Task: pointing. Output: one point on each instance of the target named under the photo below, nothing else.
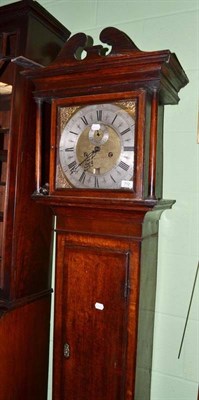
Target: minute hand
(88, 157)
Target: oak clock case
(101, 175)
(96, 146)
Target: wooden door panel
(94, 323)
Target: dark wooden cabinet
(105, 112)
(29, 32)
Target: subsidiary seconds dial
(96, 148)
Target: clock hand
(88, 157)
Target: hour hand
(87, 159)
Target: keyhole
(66, 350)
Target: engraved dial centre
(106, 141)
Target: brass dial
(96, 148)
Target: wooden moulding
(124, 66)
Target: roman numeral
(72, 165)
(128, 148)
(82, 177)
(74, 133)
(99, 115)
(114, 119)
(96, 182)
(123, 165)
(69, 149)
(112, 178)
(125, 131)
(84, 120)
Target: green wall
(158, 25)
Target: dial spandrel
(96, 147)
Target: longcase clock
(99, 169)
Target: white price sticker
(127, 184)
(99, 306)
